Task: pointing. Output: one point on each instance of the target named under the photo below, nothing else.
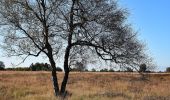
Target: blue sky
(151, 18)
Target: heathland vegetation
(81, 32)
(84, 86)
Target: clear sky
(151, 18)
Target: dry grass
(85, 86)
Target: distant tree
(32, 67)
(59, 69)
(168, 69)
(79, 66)
(128, 69)
(86, 70)
(111, 70)
(93, 70)
(104, 70)
(2, 65)
(40, 67)
(143, 68)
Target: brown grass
(85, 86)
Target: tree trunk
(67, 53)
(55, 83)
(53, 65)
(54, 78)
(54, 74)
(66, 69)
(64, 83)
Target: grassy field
(85, 86)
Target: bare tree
(84, 27)
(29, 29)
(99, 26)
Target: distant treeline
(46, 67)
(34, 67)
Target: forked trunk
(66, 69)
(63, 85)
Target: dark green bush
(104, 70)
(40, 67)
(93, 70)
(168, 69)
(59, 69)
(1, 68)
(128, 69)
(2, 65)
(111, 70)
(86, 70)
(142, 68)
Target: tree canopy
(75, 29)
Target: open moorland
(16, 85)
